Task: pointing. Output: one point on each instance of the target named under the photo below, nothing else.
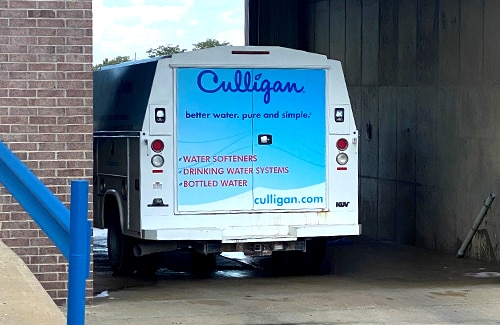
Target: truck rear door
(250, 139)
(289, 140)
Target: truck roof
(122, 91)
(255, 56)
(121, 95)
(128, 63)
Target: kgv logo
(342, 204)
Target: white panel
(278, 57)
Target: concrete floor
(365, 283)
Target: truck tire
(311, 261)
(120, 248)
(202, 265)
(299, 263)
(148, 265)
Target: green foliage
(209, 42)
(105, 62)
(169, 49)
(164, 50)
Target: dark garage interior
(423, 78)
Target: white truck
(227, 149)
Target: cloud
(130, 28)
(233, 16)
(233, 36)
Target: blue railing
(70, 230)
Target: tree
(164, 50)
(209, 42)
(169, 49)
(105, 62)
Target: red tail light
(342, 144)
(157, 145)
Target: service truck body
(249, 149)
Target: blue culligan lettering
(208, 82)
(215, 80)
(279, 201)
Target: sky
(131, 27)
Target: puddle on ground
(484, 275)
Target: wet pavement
(363, 283)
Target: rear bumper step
(244, 235)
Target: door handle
(265, 139)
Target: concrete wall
(425, 76)
(45, 117)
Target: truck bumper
(251, 234)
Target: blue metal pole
(78, 253)
(41, 204)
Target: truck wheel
(297, 263)
(120, 248)
(148, 265)
(281, 263)
(202, 264)
(311, 261)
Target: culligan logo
(208, 81)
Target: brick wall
(45, 117)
